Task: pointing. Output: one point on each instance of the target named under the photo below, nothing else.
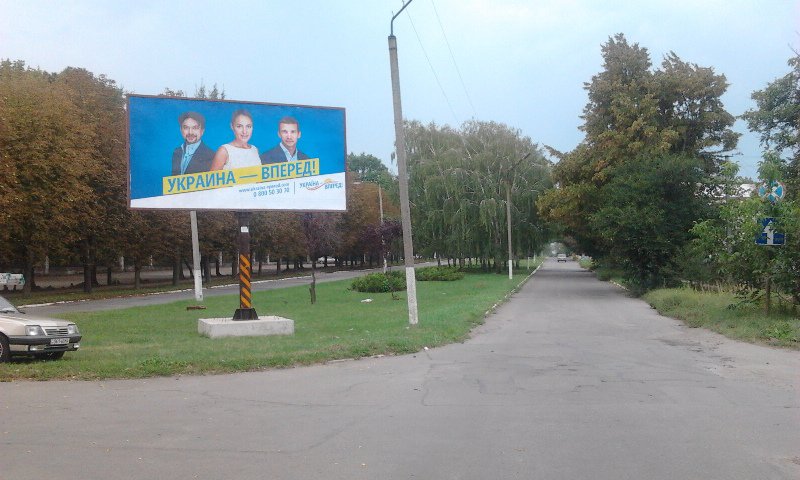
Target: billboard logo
(326, 184)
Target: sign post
(245, 310)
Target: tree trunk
(177, 268)
(768, 295)
(108, 275)
(87, 266)
(188, 267)
(313, 287)
(137, 274)
(28, 273)
(205, 268)
(278, 266)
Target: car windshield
(7, 307)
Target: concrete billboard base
(227, 327)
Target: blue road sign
(774, 192)
(768, 235)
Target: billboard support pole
(402, 173)
(198, 276)
(245, 310)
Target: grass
(162, 340)
(723, 313)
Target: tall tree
(777, 118)
(639, 122)
(48, 155)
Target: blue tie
(185, 162)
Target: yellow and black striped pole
(244, 282)
(245, 310)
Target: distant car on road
(561, 257)
(40, 337)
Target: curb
(512, 292)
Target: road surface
(570, 379)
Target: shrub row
(395, 280)
(441, 274)
(391, 281)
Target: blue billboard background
(154, 134)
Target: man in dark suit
(192, 156)
(289, 132)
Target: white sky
(523, 62)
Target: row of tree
(63, 178)
(464, 182)
(651, 189)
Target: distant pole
(508, 221)
(508, 214)
(400, 146)
(198, 275)
(383, 243)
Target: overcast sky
(519, 62)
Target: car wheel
(50, 355)
(5, 352)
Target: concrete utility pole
(196, 273)
(400, 146)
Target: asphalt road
(570, 379)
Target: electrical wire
(453, 58)
(433, 70)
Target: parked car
(561, 257)
(40, 337)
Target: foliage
(49, 160)
(647, 209)
(649, 133)
(460, 182)
(726, 243)
(777, 119)
(369, 168)
(391, 281)
(438, 274)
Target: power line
(433, 70)
(452, 57)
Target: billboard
(230, 155)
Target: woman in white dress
(238, 153)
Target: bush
(440, 274)
(380, 283)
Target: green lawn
(163, 339)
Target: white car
(561, 257)
(40, 337)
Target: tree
(777, 119)
(459, 182)
(727, 243)
(48, 154)
(639, 123)
(647, 210)
(102, 108)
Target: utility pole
(509, 185)
(383, 243)
(400, 146)
(196, 273)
